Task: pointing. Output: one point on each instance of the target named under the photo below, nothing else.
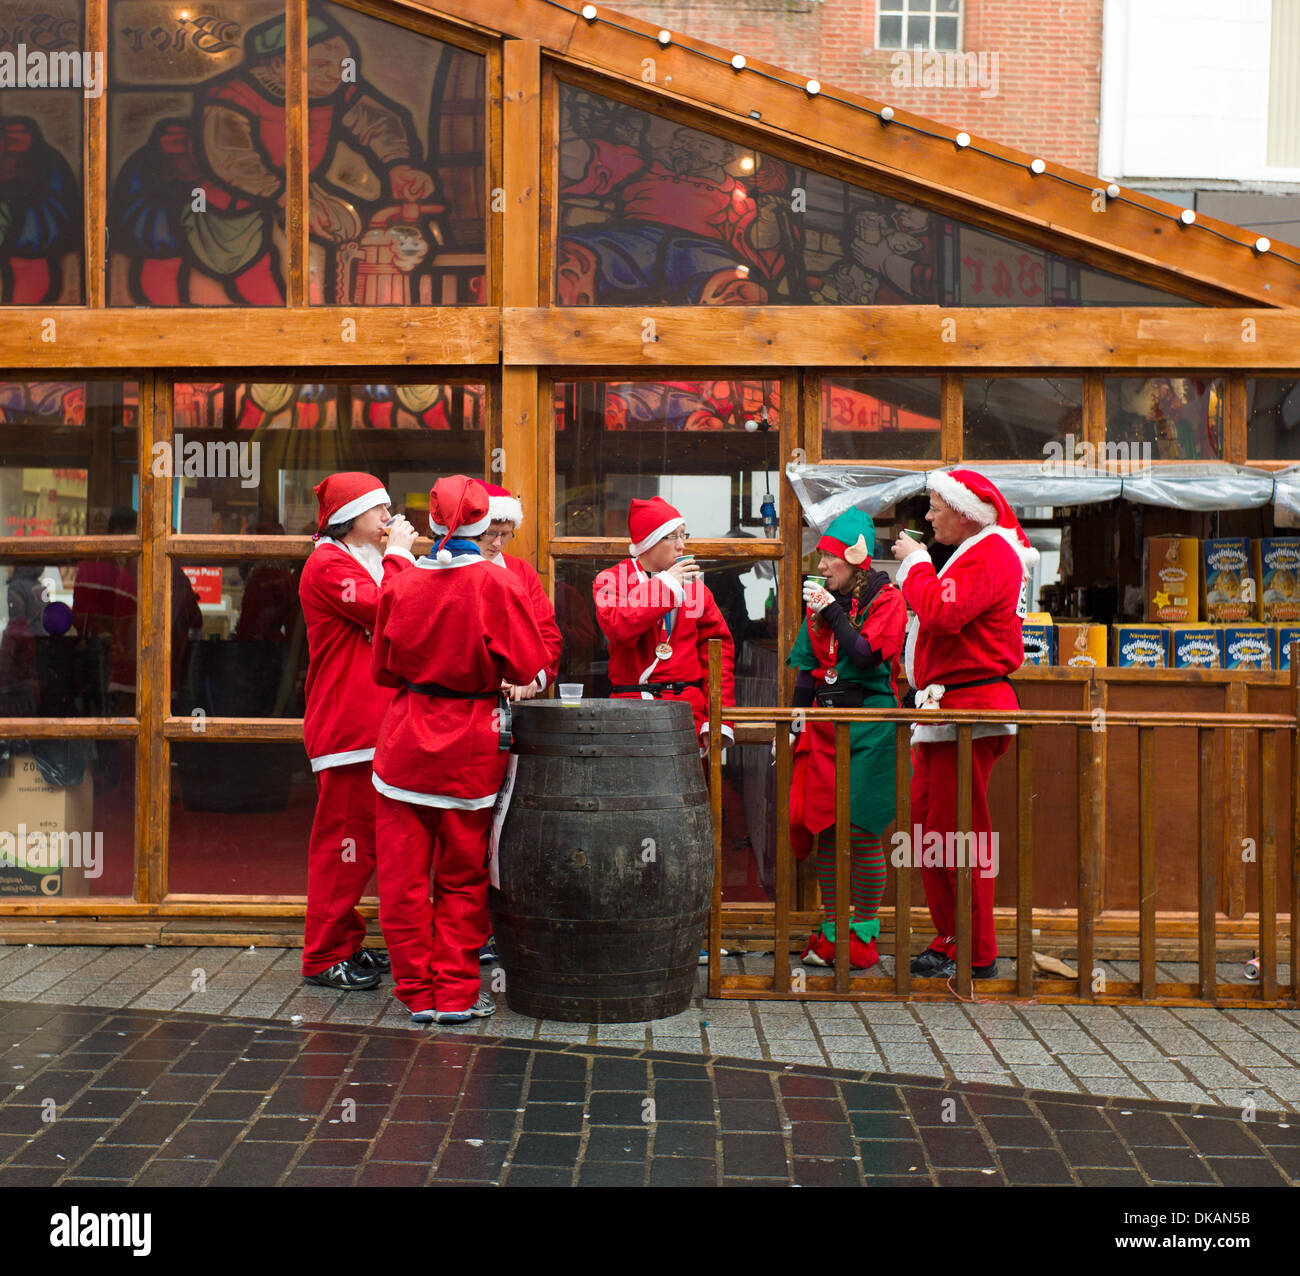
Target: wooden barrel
(606, 862)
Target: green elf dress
(855, 648)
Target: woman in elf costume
(850, 643)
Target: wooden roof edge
(1211, 256)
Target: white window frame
(933, 14)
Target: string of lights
(813, 88)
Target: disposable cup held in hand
(570, 693)
(818, 580)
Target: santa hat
(458, 506)
(851, 537)
(648, 522)
(345, 495)
(502, 507)
(975, 497)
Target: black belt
(657, 688)
(504, 716)
(981, 682)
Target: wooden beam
(702, 547)
(255, 337)
(297, 164)
(516, 466)
(1135, 234)
(95, 157)
(153, 668)
(891, 337)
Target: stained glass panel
(652, 212)
(42, 46)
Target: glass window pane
(945, 33)
(239, 647)
(402, 154)
(240, 816)
(1170, 418)
(891, 32)
(67, 819)
(68, 456)
(948, 6)
(196, 152)
(918, 31)
(1272, 418)
(745, 592)
(1013, 418)
(919, 6)
(41, 226)
(686, 441)
(652, 212)
(892, 6)
(68, 638)
(881, 418)
(248, 456)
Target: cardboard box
(1229, 592)
(1283, 637)
(33, 821)
(1141, 647)
(1246, 647)
(1081, 646)
(1171, 579)
(1040, 644)
(1194, 647)
(1277, 574)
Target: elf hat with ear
(458, 506)
(978, 499)
(851, 537)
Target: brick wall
(1048, 86)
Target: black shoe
(929, 964)
(346, 976)
(949, 970)
(375, 959)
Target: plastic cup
(570, 693)
(818, 580)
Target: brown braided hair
(857, 587)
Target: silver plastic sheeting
(826, 491)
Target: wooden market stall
(587, 259)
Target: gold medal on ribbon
(832, 677)
(664, 651)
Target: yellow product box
(1277, 574)
(1081, 646)
(1171, 579)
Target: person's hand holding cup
(685, 569)
(907, 544)
(400, 533)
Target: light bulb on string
(1037, 167)
(665, 38)
(738, 62)
(886, 114)
(589, 12)
(1263, 244)
(962, 140)
(812, 88)
(1187, 217)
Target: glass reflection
(1167, 418)
(1272, 418)
(881, 418)
(1013, 418)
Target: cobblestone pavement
(98, 1098)
(1233, 1058)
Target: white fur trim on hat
(961, 498)
(505, 509)
(359, 505)
(468, 530)
(639, 547)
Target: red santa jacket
(543, 609)
(465, 625)
(340, 601)
(633, 607)
(966, 626)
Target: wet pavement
(96, 1097)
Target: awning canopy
(826, 491)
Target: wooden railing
(786, 983)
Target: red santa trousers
(340, 860)
(934, 808)
(439, 971)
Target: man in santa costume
(963, 642)
(659, 616)
(507, 516)
(448, 634)
(339, 590)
